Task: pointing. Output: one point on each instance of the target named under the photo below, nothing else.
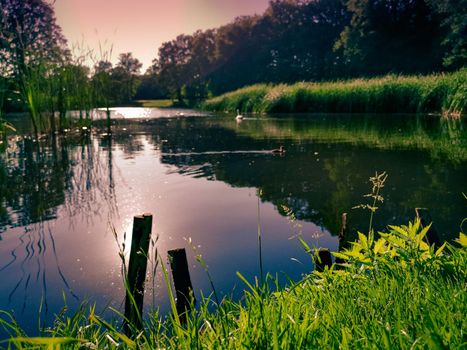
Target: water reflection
(200, 177)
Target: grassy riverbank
(395, 292)
(442, 93)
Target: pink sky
(141, 26)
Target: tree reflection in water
(39, 179)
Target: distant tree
(304, 33)
(102, 67)
(130, 64)
(384, 36)
(453, 15)
(172, 64)
(125, 72)
(101, 83)
(236, 54)
(150, 88)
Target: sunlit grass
(442, 93)
(396, 292)
(154, 103)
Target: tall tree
(453, 15)
(172, 64)
(400, 36)
(31, 45)
(127, 68)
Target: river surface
(67, 203)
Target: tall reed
(441, 93)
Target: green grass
(154, 103)
(441, 93)
(395, 292)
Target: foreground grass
(394, 292)
(441, 93)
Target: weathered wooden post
(182, 281)
(322, 258)
(343, 239)
(425, 219)
(136, 276)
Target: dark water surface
(203, 177)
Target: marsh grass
(441, 93)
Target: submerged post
(322, 258)
(141, 236)
(423, 214)
(182, 281)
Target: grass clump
(440, 93)
(392, 292)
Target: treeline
(294, 40)
(315, 40)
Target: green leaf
(50, 342)
(462, 239)
(440, 249)
(363, 240)
(379, 245)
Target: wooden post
(343, 239)
(343, 232)
(141, 236)
(425, 219)
(322, 258)
(182, 281)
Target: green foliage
(443, 93)
(316, 40)
(390, 36)
(454, 26)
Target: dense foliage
(303, 40)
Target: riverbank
(395, 293)
(443, 94)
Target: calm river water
(210, 179)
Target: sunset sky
(141, 26)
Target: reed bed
(440, 93)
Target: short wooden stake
(343, 238)
(425, 219)
(322, 258)
(136, 276)
(182, 281)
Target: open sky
(141, 26)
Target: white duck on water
(239, 116)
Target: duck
(280, 150)
(239, 116)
